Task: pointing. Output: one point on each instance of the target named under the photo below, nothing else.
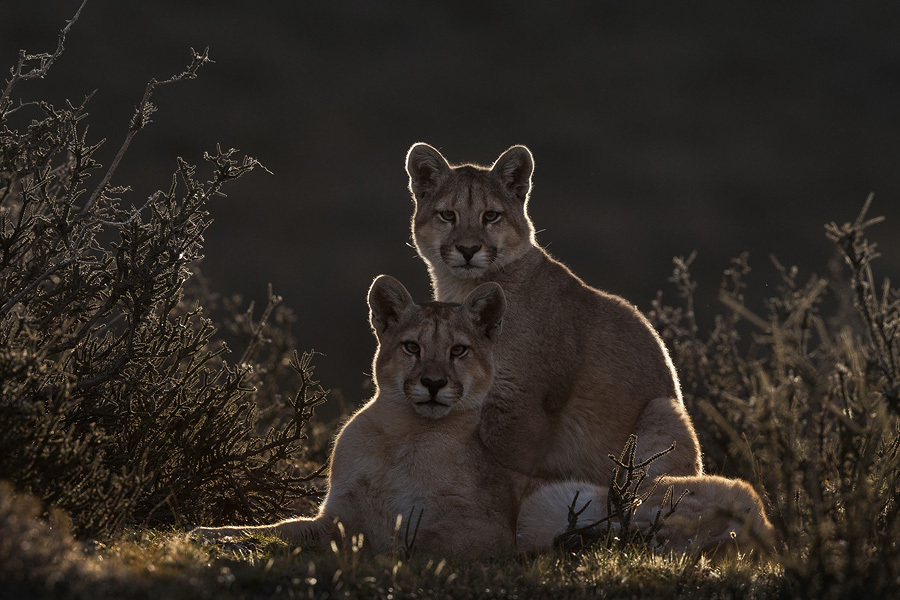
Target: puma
(577, 369)
(412, 452)
(411, 459)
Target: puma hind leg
(716, 515)
(662, 422)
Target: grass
(156, 564)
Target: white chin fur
(422, 404)
(432, 410)
(468, 271)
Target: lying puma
(578, 369)
(414, 449)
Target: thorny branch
(141, 119)
(623, 498)
(118, 400)
(19, 73)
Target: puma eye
(447, 215)
(411, 348)
(490, 216)
(459, 351)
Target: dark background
(658, 128)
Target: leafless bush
(118, 399)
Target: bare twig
(410, 545)
(38, 72)
(273, 301)
(141, 118)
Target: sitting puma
(415, 448)
(577, 369)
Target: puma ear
(514, 169)
(426, 168)
(388, 301)
(487, 303)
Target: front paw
(214, 534)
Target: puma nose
(433, 385)
(468, 251)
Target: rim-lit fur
(577, 369)
(412, 456)
(436, 329)
(412, 452)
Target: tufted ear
(486, 304)
(388, 301)
(426, 168)
(514, 169)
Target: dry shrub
(119, 401)
(803, 401)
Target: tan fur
(409, 451)
(716, 516)
(578, 369)
(406, 452)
